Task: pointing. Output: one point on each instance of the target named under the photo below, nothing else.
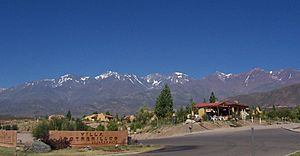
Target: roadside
(217, 126)
(294, 127)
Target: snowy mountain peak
(180, 74)
(107, 75)
(178, 77)
(2, 89)
(84, 78)
(223, 76)
(65, 78)
(154, 79)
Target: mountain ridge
(125, 93)
(288, 96)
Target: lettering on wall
(91, 138)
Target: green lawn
(77, 152)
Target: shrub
(79, 125)
(100, 128)
(56, 124)
(135, 125)
(14, 127)
(112, 126)
(7, 127)
(67, 125)
(41, 130)
(88, 128)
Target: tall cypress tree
(69, 115)
(212, 98)
(164, 103)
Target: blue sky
(46, 39)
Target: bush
(41, 130)
(112, 126)
(135, 125)
(100, 128)
(7, 127)
(56, 124)
(14, 127)
(143, 115)
(67, 125)
(79, 125)
(58, 144)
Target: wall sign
(91, 138)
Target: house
(221, 110)
(99, 117)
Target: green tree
(14, 127)
(7, 127)
(112, 126)
(164, 103)
(143, 115)
(117, 117)
(284, 112)
(68, 125)
(69, 115)
(107, 113)
(41, 130)
(204, 100)
(56, 124)
(181, 114)
(212, 98)
(79, 125)
(190, 107)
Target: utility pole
(252, 142)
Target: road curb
(135, 153)
(291, 130)
(291, 153)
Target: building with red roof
(221, 110)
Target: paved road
(269, 142)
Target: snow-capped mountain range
(124, 93)
(2, 89)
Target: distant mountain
(255, 80)
(2, 89)
(287, 96)
(125, 93)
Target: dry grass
(99, 151)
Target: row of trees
(282, 113)
(8, 127)
(163, 110)
(68, 123)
